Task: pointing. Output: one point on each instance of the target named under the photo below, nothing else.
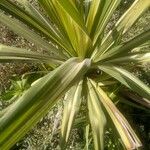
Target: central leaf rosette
(86, 63)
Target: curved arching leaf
(127, 79)
(74, 26)
(72, 106)
(36, 101)
(30, 35)
(28, 18)
(128, 136)
(123, 24)
(97, 117)
(8, 54)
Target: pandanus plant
(87, 62)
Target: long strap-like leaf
(97, 117)
(72, 106)
(35, 103)
(8, 54)
(27, 17)
(124, 48)
(128, 136)
(127, 79)
(73, 25)
(99, 15)
(138, 57)
(24, 31)
(124, 23)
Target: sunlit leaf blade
(31, 20)
(72, 12)
(123, 24)
(55, 19)
(76, 32)
(99, 15)
(2, 112)
(8, 54)
(59, 38)
(51, 12)
(123, 49)
(73, 2)
(93, 11)
(72, 106)
(97, 117)
(132, 14)
(37, 14)
(138, 57)
(127, 79)
(87, 132)
(106, 83)
(135, 42)
(35, 103)
(106, 15)
(24, 31)
(128, 136)
(21, 14)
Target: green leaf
(72, 106)
(138, 57)
(99, 15)
(40, 17)
(70, 17)
(33, 19)
(36, 101)
(55, 19)
(128, 136)
(93, 11)
(123, 24)
(122, 50)
(97, 117)
(87, 131)
(8, 54)
(132, 14)
(72, 12)
(127, 79)
(24, 31)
